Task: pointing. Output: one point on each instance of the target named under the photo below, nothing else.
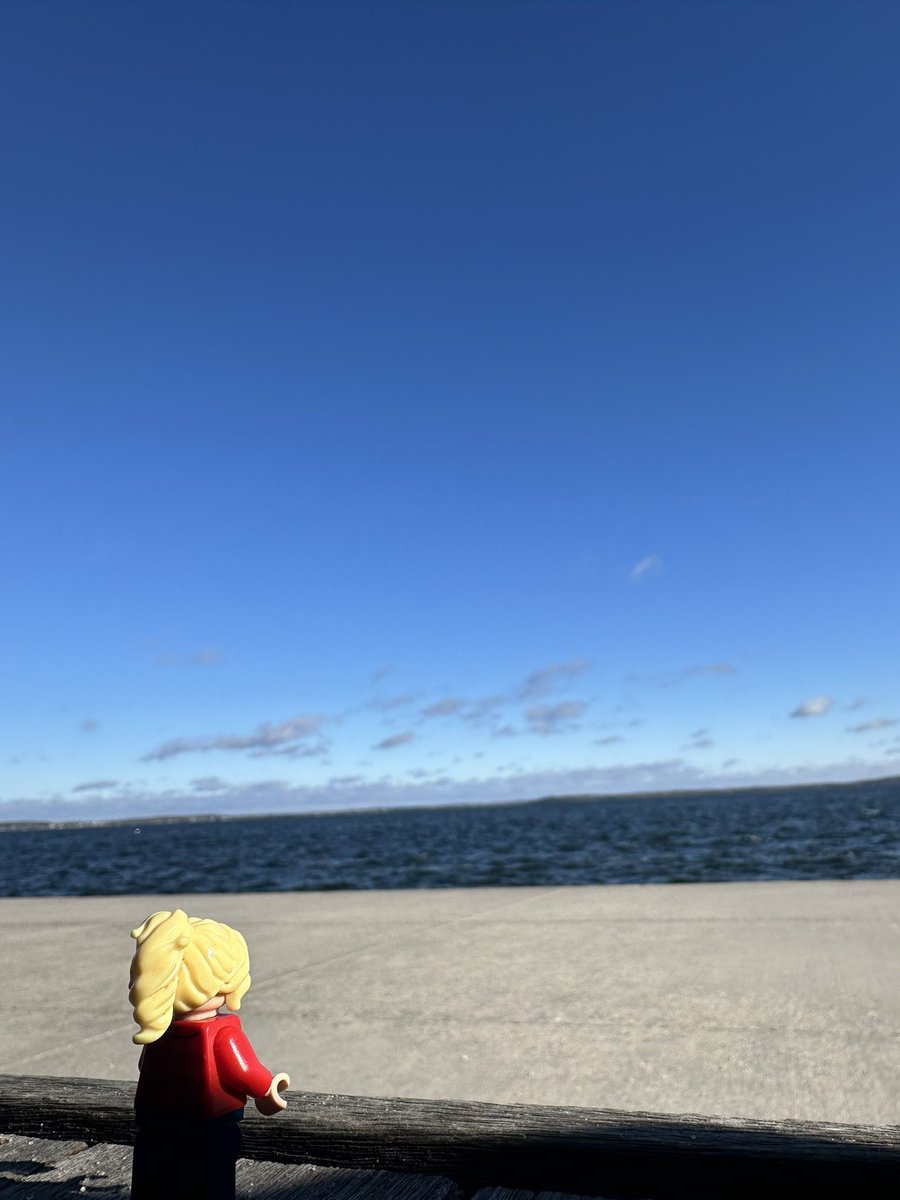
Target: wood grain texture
(581, 1152)
(284, 1181)
(40, 1169)
(29, 1155)
(33, 1169)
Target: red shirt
(200, 1069)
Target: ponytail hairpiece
(180, 963)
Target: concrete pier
(768, 1000)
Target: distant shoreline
(674, 793)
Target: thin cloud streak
(651, 565)
(318, 750)
(875, 723)
(389, 703)
(491, 709)
(209, 783)
(397, 739)
(549, 679)
(485, 710)
(451, 706)
(700, 740)
(265, 737)
(548, 719)
(816, 706)
(681, 674)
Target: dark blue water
(830, 832)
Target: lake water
(839, 832)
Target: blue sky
(413, 402)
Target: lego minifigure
(197, 1067)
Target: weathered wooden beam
(32, 1168)
(575, 1150)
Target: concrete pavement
(767, 1000)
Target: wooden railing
(587, 1152)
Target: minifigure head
(180, 963)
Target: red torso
(200, 1069)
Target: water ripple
(840, 832)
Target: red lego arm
(240, 1071)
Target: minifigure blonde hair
(180, 963)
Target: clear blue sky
(407, 402)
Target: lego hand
(272, 1101)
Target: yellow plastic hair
(180, 963)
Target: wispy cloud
(610, 739)
(89, 725)
(395, 740)
(816, 706)
(451, 706)
(208, 783)
(548, 719)
(875, 723)
(493, 711)
(265, 737)
(547, 680)
(96, 785)
(389, 703)
(486, 709)
(700, 740)
(856, 705)
(682, 674)
(295, 750)
(651, 565)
